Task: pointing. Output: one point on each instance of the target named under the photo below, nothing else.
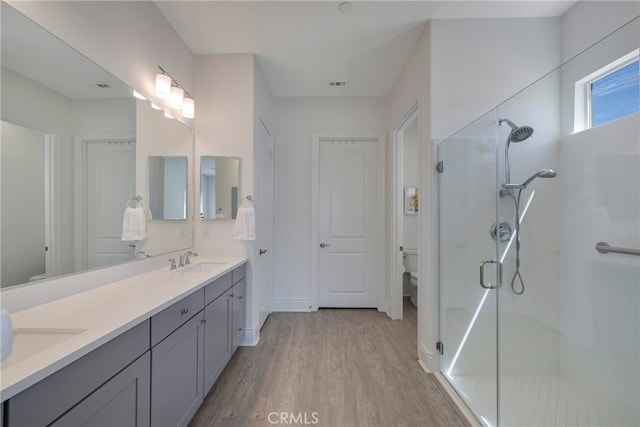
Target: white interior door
(348, 231)
(264, 228)
(111, 174)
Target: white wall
(479, 63)
(413, 89)
(224, 127)
(233, 97)
(589, 21)
(600, 202)
(297, 119)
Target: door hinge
(440, 347)
(440, 166)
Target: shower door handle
(482, 283)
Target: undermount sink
(202, 267)
(30, 341)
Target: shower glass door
(468, 315)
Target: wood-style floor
(333, 367)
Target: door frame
(53, 155)
(380, 275)
(395, 293)
(81, 142)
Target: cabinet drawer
(216, 288)
(45, 401)
(239, 273)
(171, 318)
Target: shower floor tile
(537, 401)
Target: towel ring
(137, 202)
(248, 199)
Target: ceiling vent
(338, 83)
(103, 85)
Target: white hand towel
(133, 224)
(245, 228)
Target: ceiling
(303, 45)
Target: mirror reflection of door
(23, 186)
(111, 175)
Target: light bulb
(163, 86)
(168, 115)
(188, 108)
(177, 97)
(156, 107)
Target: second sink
(202, 267)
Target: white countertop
(89, 319)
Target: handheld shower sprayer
(518, 134)
(543, 173)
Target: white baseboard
(299, 304)
(251, 337)
(426, 359)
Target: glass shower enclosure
(539, 327)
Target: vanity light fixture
(138, 95)
(188, 108)
(168, 88)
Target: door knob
(262, 251)
(324, 245)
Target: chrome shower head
(518, 133)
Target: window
(616, 95)
(608, 94)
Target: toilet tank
(410, 260)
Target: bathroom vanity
(140, 351)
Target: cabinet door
(238, 307)
(217, 339)
(122, 401)
(177, 375)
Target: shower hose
(517, 277)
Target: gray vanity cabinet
(217, 340)
(112, 379)
(123, 401)
(177, 363)
(238, 293)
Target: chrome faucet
(185, 259)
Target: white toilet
(410, 261)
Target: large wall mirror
(219, 179)
(69, 159)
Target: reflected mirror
(168, 187)
(219, 178)
(70, 139)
